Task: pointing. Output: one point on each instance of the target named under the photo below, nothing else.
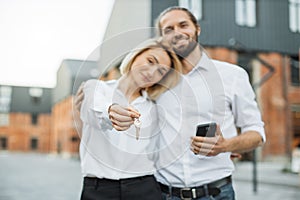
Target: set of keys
(137, 123)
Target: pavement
(273, 182)
(34, 176)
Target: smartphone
(206, 130)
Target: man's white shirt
(213, 91)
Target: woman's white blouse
(107, 153)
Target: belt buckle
(193, 190)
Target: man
(222, 93)
(189, 166)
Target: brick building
(64, 136)
(25, 119)
(22, 135)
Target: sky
(36, 35)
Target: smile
(145, 78)
(180, 42)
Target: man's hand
(122, 117)
(212, 146)
(209, 146)
(79, 97)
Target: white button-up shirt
(107, 153)
(213, 91)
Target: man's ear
(198, 30)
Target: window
(295, 73)
(3, 143)
(5, 98)
(4, 119)
(34, 144)
(295, 108)
(294, 15)
(74, 139)
(245, 13)
(34, 118)
(195, 6)
(5, 101)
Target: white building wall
(128, 26)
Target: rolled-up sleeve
(245, 108)
(95, 105)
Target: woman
(120, 164)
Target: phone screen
(206, 130)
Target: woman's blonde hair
(169, 80)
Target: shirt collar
(203, 63)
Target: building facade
(25, 118)
(263, 37)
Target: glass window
(195, 6)
(34, 143)
(4, 119)
(3, 143)
(294, 15)
(295, 72)
(245, 13)
(34, 118)
(74, 139)
(5, 98)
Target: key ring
(137, 123)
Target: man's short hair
(169, 9)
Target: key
(137, 123)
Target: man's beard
(185, 51)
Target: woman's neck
(129, 88)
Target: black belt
(210, 189)
(94, 181)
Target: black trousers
(145, 188)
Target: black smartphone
(206, 130)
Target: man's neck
(191, 60)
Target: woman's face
(150, 67)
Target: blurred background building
(25, 118)
(263, 37)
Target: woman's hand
(122, 117)
(79, 97)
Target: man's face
(180, 32)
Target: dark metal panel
(275, 27)
(158, 6)
(271, 33)
(217, 24)
(21, 101)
